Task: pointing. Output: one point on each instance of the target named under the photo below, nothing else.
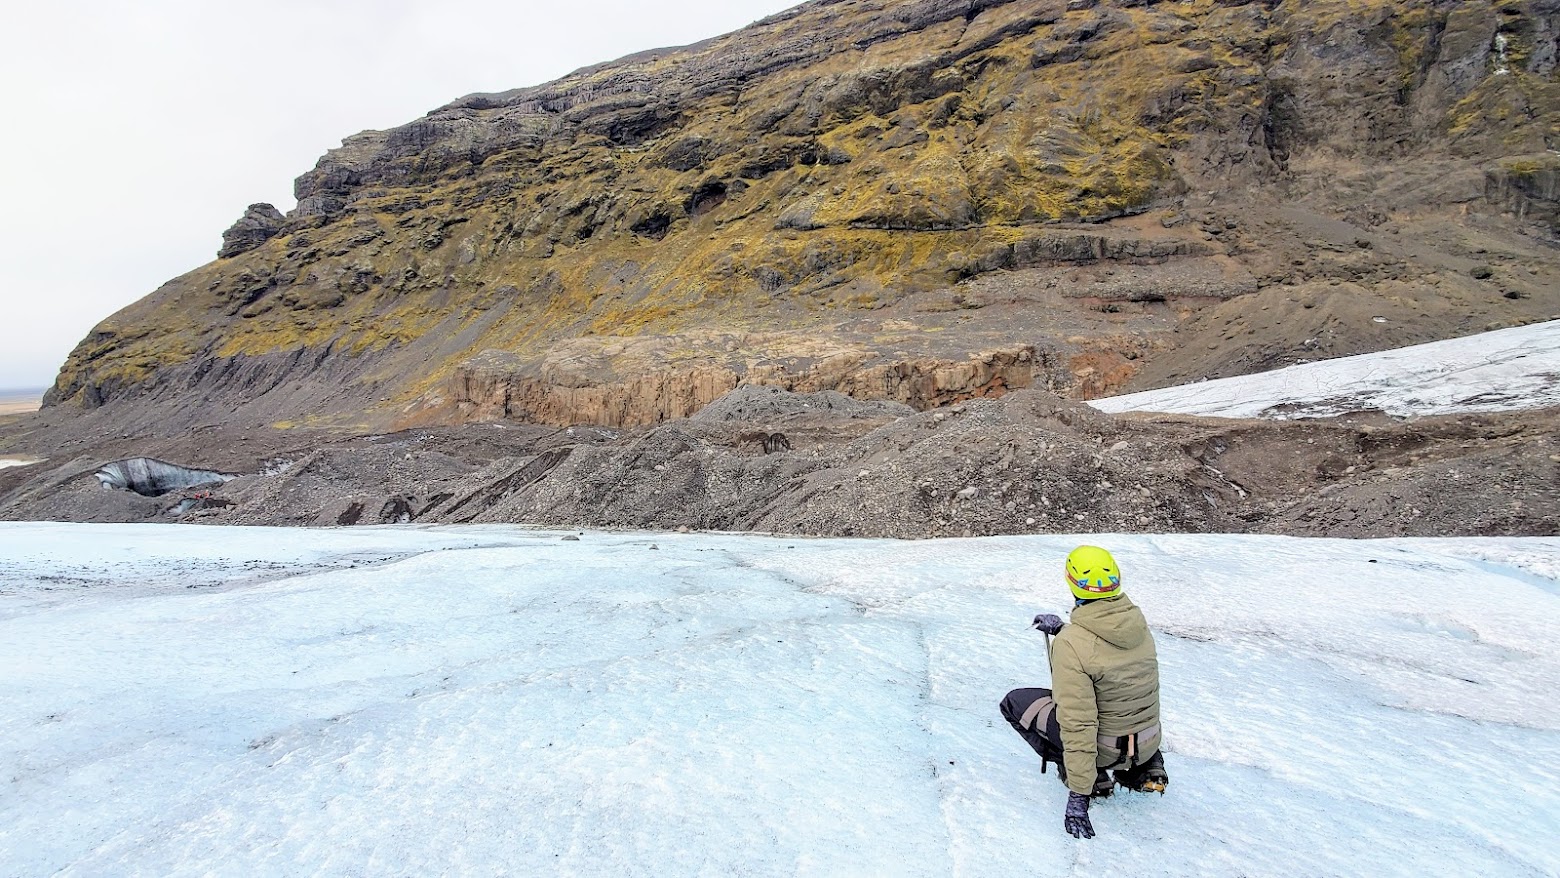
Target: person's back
(1105, 679)
(1103, 712)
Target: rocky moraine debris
(1029, 462)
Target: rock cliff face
(260, 223)
(917, 200)
(488, 388)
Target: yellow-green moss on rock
(835, 158)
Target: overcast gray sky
(137, 132)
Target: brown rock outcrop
(486, 393)
(921, 383)
(494, 387)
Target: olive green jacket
(1105, 679)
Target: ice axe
(1045, 623)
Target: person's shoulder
(1075, 636)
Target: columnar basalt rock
(483, 393)
(480, 394)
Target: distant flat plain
(20, 402)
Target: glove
(1048, 623)
(1077, 819)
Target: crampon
(1150, 777)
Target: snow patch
(1517, 368)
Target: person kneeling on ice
(1104, 711)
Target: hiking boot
(1150, 777)
(1103, 785)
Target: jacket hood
(1117, 621)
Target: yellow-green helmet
(1092, 573)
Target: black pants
(1032, 714)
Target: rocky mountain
(922, 201)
